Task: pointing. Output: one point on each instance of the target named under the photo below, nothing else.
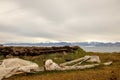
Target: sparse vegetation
(111, 72)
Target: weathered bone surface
(9, 67)
(74, 61)
(84, 59)
(79, 67)
(107, 63)
(50, 65)
(94, 59)
(13, 66)
(80, 60)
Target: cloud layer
(59, 20)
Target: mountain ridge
(95, 44)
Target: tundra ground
(111, 72)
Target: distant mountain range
(87, 44)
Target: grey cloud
(64, 9)
(50, 9)
(27, 31)
(72, 20)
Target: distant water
(101, 49)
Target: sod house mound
(35, 51)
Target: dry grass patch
(111, 72)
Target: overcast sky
(59, 20)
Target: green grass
(101, 72)
(56, 57)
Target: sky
(59, 20)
